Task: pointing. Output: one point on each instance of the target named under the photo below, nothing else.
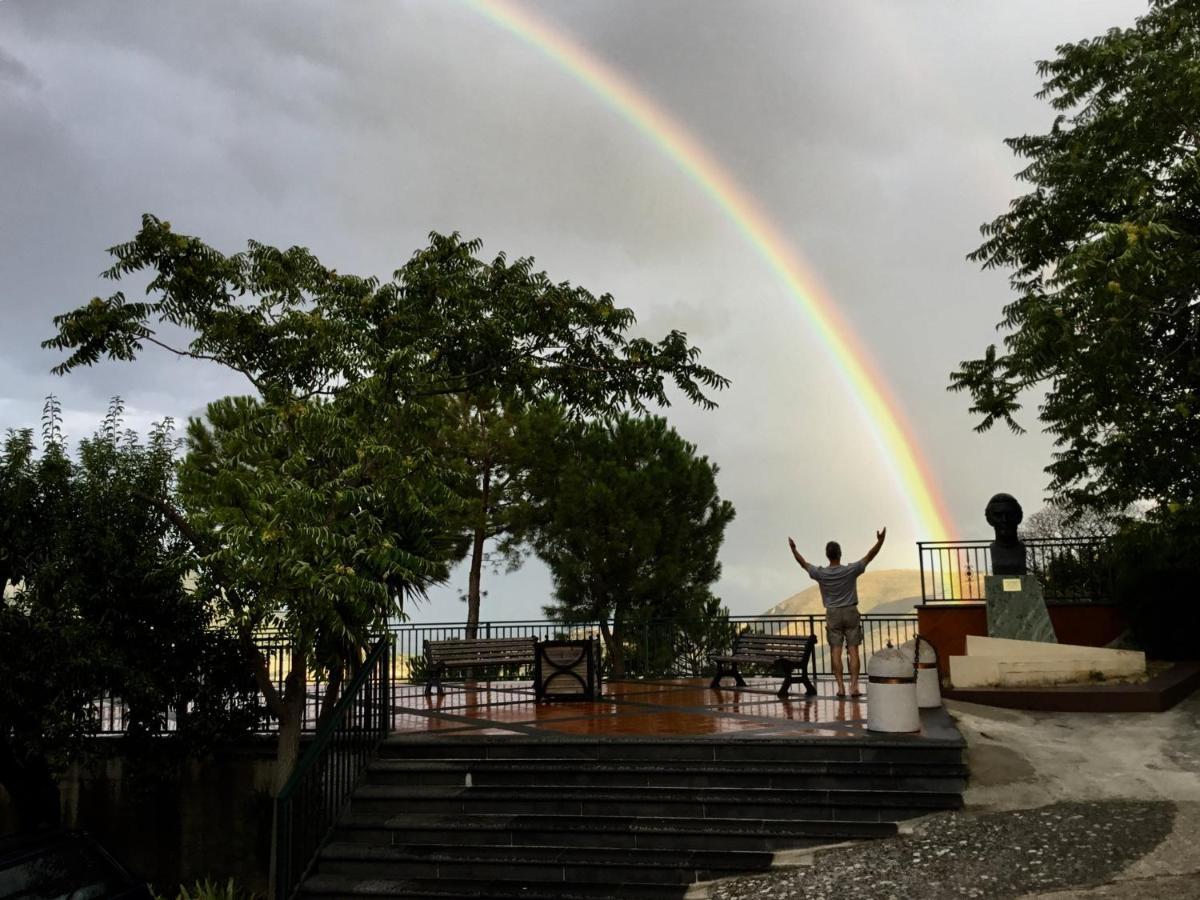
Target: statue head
(1003, 513)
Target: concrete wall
(211, 820)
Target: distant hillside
(886, 592)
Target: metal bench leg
(731, 672)
(809, 689)
(715, 684)
(787, 679)
(435, 680)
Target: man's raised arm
(874, 551)
(796, 553)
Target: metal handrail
(659, 650)
(314, 796)
(1070, 569)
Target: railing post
(283, 848)
(385, 687)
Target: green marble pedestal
(1016, 608)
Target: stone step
(605, 831)
(340, 887)
(824, 775)
(571, 865)
(890, 749)
(655, 802)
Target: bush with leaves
(97, 606)
(210, 890)
(1155, 566)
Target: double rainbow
(881, 412)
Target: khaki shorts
(843, 625)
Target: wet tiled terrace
(673, 708)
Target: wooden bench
(786, 653)
(471, 653)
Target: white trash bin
(929, 689)
(892, 692)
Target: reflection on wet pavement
(669, 708)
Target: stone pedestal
(1016, 608)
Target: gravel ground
(1005, 854)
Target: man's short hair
(833, 550)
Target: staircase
(546, 818)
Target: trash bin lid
(890, 662)
(928, 651)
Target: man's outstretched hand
(879, 535)
(792, 544)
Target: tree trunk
(291, 721)
(480, 535)
(333, 691)
(616, 652)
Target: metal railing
(320, 786)
(654, 648)
(1071, 570)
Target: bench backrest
(481, 650)
(787, 646)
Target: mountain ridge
(882, 592)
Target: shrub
(207, 890)
(1155, 572)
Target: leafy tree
(1105, 258)
(97, 606)
(318, 505)
(628, 520)
(311, 522)
(1057, 521)
(485, 434)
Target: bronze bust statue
(1004, 514)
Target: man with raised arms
(839, 594)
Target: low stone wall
(946, 625)
(212, 820)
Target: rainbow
(892, 434)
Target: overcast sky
(869, 132)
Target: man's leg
(854, 639)
(835, 636)
(854, 667)
(835, 662)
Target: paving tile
(672, 708)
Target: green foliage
(1156, 567)
(97, 605)
(1105, 259)
(209, 890)
(484, 433)
(628, 520)
(447, 323)
(682, 645)
(318, 525)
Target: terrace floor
(671, 708)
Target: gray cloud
(870, 133)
